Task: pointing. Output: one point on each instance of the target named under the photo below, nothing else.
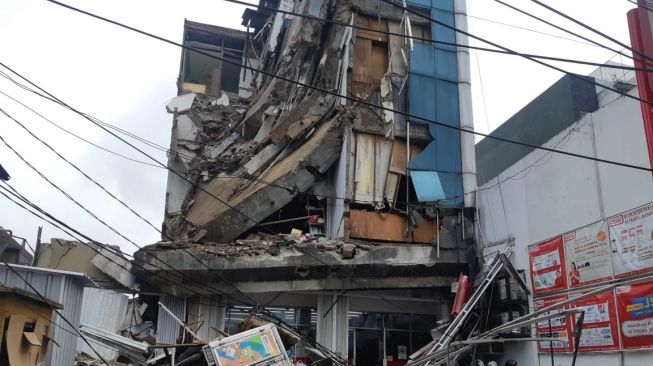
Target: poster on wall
(547, 262)
(600, 328)
(588, 255)
(559, 330)
(631, 239)
(635, 307)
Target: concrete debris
(181, 103)
(348, 251)
(257, 246)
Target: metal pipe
(467, 143)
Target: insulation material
(372, 163)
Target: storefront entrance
(374, 337)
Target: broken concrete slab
(114, 266)
(181, 103)
(186, 128)
(262, 158)
(223, 145)
(302, 267)
(224, 222)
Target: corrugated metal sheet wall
(212, 315)
(167, 328)
(106, 310)
(65, 288)
(72, 294)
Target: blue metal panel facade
(433, 94)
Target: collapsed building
(290, 187)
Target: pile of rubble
(263, 244)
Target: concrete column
(332, 329)
(467, 140)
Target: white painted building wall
(547, 194)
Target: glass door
(369, 347)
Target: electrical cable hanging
(256, 307)
(617, 51)
(432, 41)
(592, 29)
(463, 130)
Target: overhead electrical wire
(146, 251)
(463, 130)
(648, 6)
(598, 44)
(641, 168)
(494, 44)
(594, 30)
(429, 40)
(265, 312)
(192, 255)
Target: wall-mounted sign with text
(588, 255)
(547, 261)
(631, 239)
(635, 306)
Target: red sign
(559, 329)
(641, 38)
(547, 262)
(600, 323)
(635, 307)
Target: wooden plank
(379, 63)
(216, 86)
(398, 161)
(373, 23)
(377, 226)
(425, 233)
(194, 88)
(388, 227)
(362, 57)
(392, 188)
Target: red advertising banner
(635, 307)
(588, 255)
(547, 262)
(559, 330)
(600, 328)
(631, 239)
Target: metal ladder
(457, 323)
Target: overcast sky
(125, 79)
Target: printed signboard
(588, 255)
(248, 350)
(559, 329)
(631, 240)
(635, 307)
(547, 261)
(600, 329)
